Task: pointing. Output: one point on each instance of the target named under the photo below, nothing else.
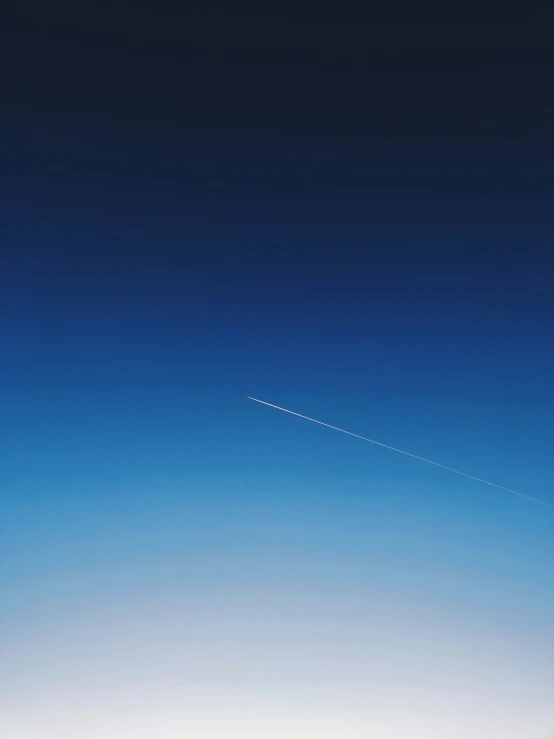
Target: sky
(349, 217)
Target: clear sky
(178, 561)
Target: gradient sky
(356, 228)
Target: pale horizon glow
(179, 668)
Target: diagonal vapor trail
(401, 451)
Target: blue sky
(180, 561)
(160, 531)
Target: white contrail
(401, 451)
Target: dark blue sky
(158, 269)
(351, 219)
